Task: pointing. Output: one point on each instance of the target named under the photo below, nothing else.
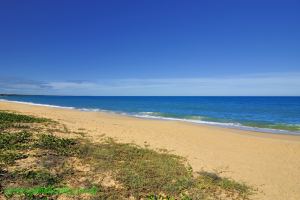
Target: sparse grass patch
(61, 146)
(11, 145)
(11, 120)
(82, 134)
(215, 185)
(9, 157)
(8, 117)
(14, 140)
(37, 177)
(140, 171)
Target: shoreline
(149, 117)
(267, 161)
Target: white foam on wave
(200, 120)
(55, 106)
(102, 110)
(155, 115)
(90, 109)
(37, 104)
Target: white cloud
(247, 85)
(70, 85)
(261, 84)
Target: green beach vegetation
(36, 163)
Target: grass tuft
(14, 140)
(10, 120)
(214, 185)
(60, 146)
(37, 177)
(8, 117)
(9, 157)
(11, 145)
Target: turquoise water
(268, 114)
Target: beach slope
(267, 161)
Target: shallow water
(267, 114)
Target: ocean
(264, 114)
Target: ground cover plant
(33, 156)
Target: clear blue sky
(150, 47)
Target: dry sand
(267, 161)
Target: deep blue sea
(267, 114)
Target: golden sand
(269, 162)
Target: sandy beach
(269, 162)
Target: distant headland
(12, 94)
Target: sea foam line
(37, 104)
(64, 107)
(218, 124)
(147, 115)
